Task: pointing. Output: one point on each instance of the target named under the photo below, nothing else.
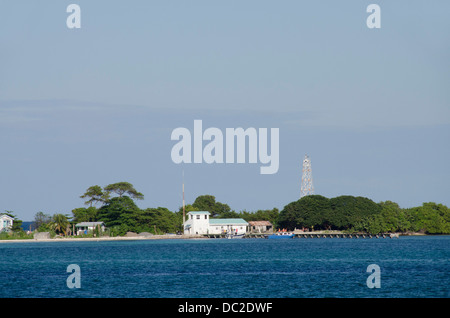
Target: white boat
(234, 236)
(232, 233)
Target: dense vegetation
(359, 214)
(118, 210)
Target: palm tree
(60, 223)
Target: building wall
(223, 228)
(199, 222)
(5, 222)
(81, 229)
(260, 228)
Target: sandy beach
(107, 238)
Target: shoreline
(152, 237)
(98, 239)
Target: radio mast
(184, 208)
(307, 187)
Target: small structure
(260, 226)
(199, 222)
(235, 226)
(6, 222)
(41, 236)
(85, 227)
(145, 234)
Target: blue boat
(281, 235)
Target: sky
(97, 105)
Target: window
(198, 217)
(206, 217)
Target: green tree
(229, 215)
(431, 218)
(60, 224)
(310, 211)
(122, 188)
(119, 211)
(376, 225)
(95, 195)
(205, 203)
(262, 215)
(85, 214)
(41, 220)
(349, 211)
(391, 216)
(187, 208)
(208, 203)
(404, 223)
(160, 218)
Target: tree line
(360, 214)
(115, 205)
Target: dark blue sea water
(258, 268)
(28, 225)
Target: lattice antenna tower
(307, 187)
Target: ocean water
(410, 267)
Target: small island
(111, 213)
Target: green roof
(84, 224)
(227, 221)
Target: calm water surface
(410, 267)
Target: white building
(85, 227)
(199, 222)
(6, 222)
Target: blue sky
(97, 105)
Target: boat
(234, 236)
(281, 235)
(233, 233)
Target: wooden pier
(345, 235)
(307, 235)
